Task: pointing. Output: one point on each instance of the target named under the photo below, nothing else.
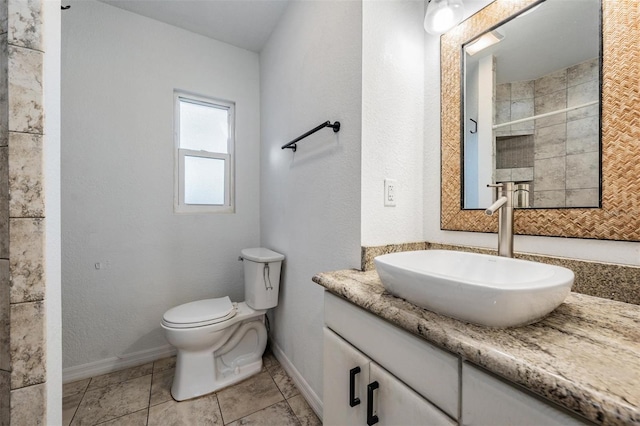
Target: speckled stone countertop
(584, 356)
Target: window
(204, 140)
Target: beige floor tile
(303, 411)
(269, 360)
(70, 404)
(249, 396)
(283, 381)
(164, 364)
(75, 387)
(199, 411)
(139, 418)
(277, 414)
(110, 402)
(161, 387)
(120, 376)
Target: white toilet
(219, 342)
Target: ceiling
(243, 23)
(556, 34)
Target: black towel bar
(292, 145)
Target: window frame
(180, 153)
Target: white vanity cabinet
(412, 382)
(357, 391)
(488, 400)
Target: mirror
(618, 215)
(531, 105)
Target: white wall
(119, 71)
(310, 72)
(606, 251)
(51, 155)
(392, 120)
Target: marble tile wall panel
(28, 405)
(550, 141)
(25, 90)
(22, 240)
(520, 174)
(583, 135)
(28, 360)
(583, 72)
(522, 90)
(503, 113)
(583, 93)
(503, 175)
(25, 23)
(522, 108)
(551, 83)
(584, 112)
(583, 171)
(549, 174)
(4, 202)
(5, 354)
(25, 175)
(503, 92)
(4, 91)
(583, 197)
(5, 398)
(27, 260)
(4, 23)
(549, 103)
(542, 199)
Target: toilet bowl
(219, 342)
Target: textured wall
(392, 119)
(311, 72)
(119, 71)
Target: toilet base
(201, 372)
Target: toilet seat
(200, 313)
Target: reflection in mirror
(532, 107)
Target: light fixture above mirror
(442, 15)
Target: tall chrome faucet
(504, 204)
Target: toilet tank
(261, 277)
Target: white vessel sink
(478, 288)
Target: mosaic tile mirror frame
(618, 217)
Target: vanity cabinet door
(357, 391)
(345, 369)
(395, 404)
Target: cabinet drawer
(430, 371)
(487, 400)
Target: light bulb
(442, 15)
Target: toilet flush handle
(266, 277)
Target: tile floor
(140, 396)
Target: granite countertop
(584, 356)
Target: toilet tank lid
(200, 311)
(261, 254)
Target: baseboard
(312, 398)
(110, 365)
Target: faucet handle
(495, 185)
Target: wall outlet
(390, 192)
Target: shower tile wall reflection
(558, 154)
